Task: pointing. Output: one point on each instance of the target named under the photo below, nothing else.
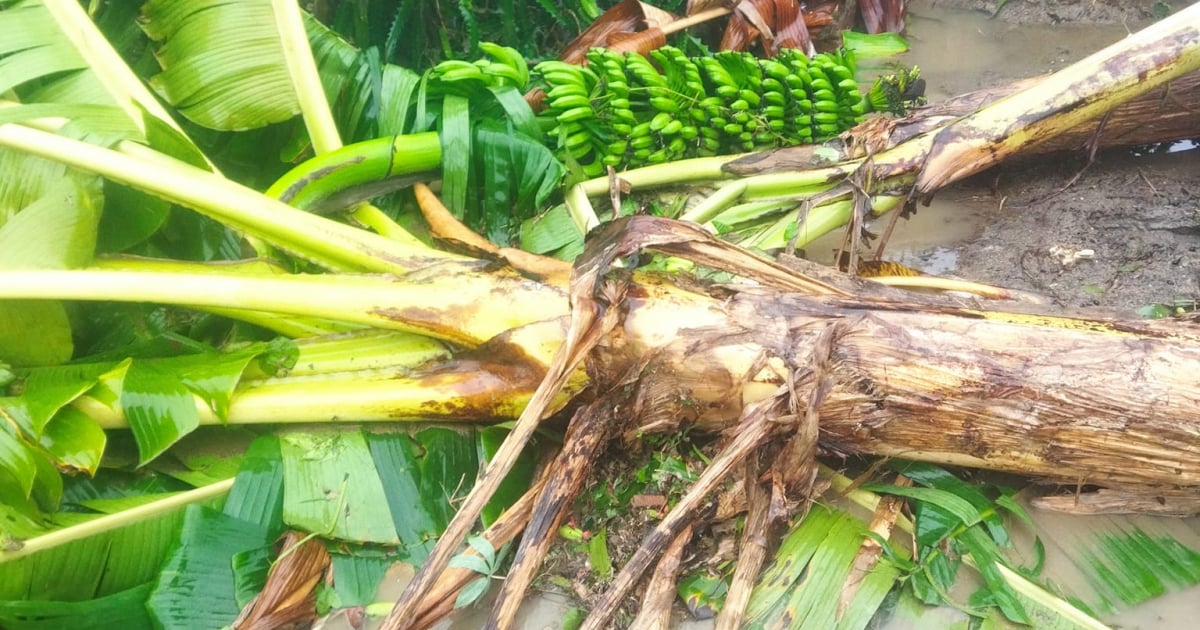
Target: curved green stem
(358, 164)
(716, 203)
(819, 221)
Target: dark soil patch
(1139, 216)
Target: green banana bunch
(627, 110)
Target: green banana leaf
(57, 231)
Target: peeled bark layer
(1069, 399)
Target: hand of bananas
(502, 66)
(626, 111)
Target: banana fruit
(626, 110)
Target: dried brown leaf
(288, 600)
(791, 31)
(626, 17)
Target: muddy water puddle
(928, 240)
(959, 51)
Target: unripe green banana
(510, 58)
(571, 101)
(577, 113)
(624, 111)
(663, 104)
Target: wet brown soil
(1138, 216)
(1062, 11)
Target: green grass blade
(952, 504)
(1131, 567)
(986, 556)
(871, 593)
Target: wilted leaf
(356, 576)
(58, 231)
(517, 173)
(625, 17)
(983, 550)
(16, 459)
(257, 492)
(961, 510)
(455, 133)
(518, 480)
(74, 440)
(866, 46)
(288, 598)
(158, 408)
(803, 585)
(97, 559)
(222, 63)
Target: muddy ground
(1137, 210)
(1140, 217)
(1066, 11)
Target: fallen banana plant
(783, 368)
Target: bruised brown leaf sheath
(442, 595)
(870, 551)
(1089, 401)
(753, 551)
(288, 600)
(1069, 399)
(446, 227)
(624, 18)
(587, 434)
(593, 316)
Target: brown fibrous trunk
(1068, 398)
